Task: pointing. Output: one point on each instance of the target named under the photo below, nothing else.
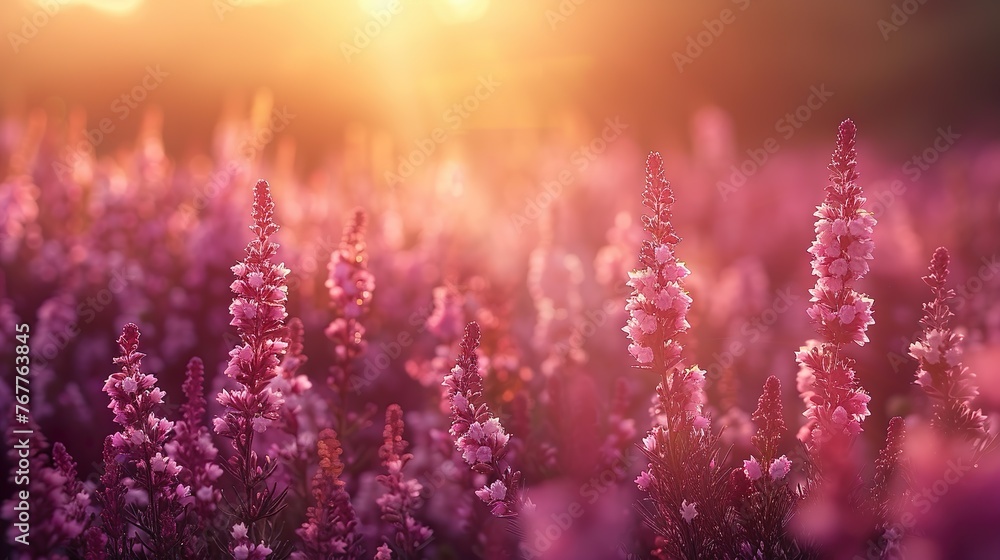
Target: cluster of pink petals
(350, 283)
(242, 549)
(383, 553)
(658, 304)
(938, 352)
(330, 530)
(841, 250)
(402, 498)
(689, 511)
(837, 406)
(192, 446)
(135, 400)
(59, 506)
(778, 469)
(477, 434)
(258, 312)
(835, 403)
(351, 288)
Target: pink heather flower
(141, 441)
(842, 249)
(401, 499)
(752, 468)
(769, 420)
(258, 311)
(330, 530)
(644, 480)
(658, 305)
(59, 503)
(477, 434)
(194, 452)
(779, 468)
(111, 539)
(239, 531)
(938, 352)
(836, 404)
(383, 553)
(688, 511)
(351, 287)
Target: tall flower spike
(258, 312)
(58, 501)
(351, 287)
(769, 421)
(112, 539)
(841, 252)
(658, 308)
(194, 451)
(842, 249)
(478, 435)
(402, 496)
(658, 305)
(330, 530)
(938, 352)
(135, 400)
(686, 494)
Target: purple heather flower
(402, 496)
(58, 505)
(351, 287)
(752, 469)
(658, 305)
(330, 530)
(769, 420)
(192, 448)
(383, 553)
(841, 252)
(258, 312)
(779, 468)
(478, 435)
(135, 400)
(689, 511)
(644, 480)
(938, 352)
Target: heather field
(473, 280)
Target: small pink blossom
(644, 480)
(688, 511)
(752, 469)
(779, 468)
